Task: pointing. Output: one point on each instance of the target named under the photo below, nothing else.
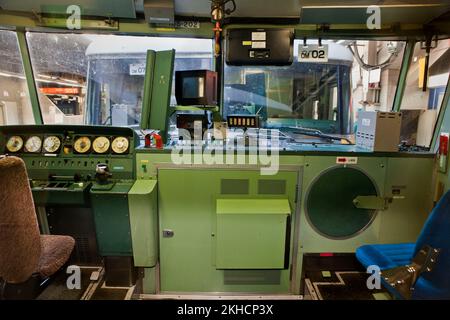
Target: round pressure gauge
(82, 145)
(101, 144)
(52, 144)
(14, 144)
(33, 144)
(120, 145)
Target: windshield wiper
(317, 133)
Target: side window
(15, 105)
(99, 79)
(421, 104)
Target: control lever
(374, 202)
(102, 173)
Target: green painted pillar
(407, 57)
(32, 90)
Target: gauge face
(14, 144)
(82, 145)
(120, 145)
(33, 144)
(52, 144)
(101, 144)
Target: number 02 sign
(313, 53)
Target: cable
(369, 67)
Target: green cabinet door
(195, 240)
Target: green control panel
(52, 152)
(87, 169)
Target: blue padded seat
(386, 256)
(435, 233)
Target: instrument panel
(67, 140)
(76, 144)
(71, 153)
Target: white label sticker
(258, 36)
(347, 160)
(365, 122)
(137, 69)
(258, 44)
(313, 53)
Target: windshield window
(421, 104)
(99, 79)
(359, 75)
(15, 104)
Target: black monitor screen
(196, 87)
(193, 87)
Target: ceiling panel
(102, 8)
(244, 8)
(390, 14)
(368, 2)
(308, 11)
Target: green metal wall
(186, 205)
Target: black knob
(102, 173)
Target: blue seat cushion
(386, 256)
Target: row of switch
(64, 163)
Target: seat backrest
(436, 233)
(20, 246)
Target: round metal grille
(329, 202)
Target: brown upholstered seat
(23, 251)
(55, 251)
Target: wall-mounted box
(379, 131)
(159, 11)
(252, 233)
(269, 46)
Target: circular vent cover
(329, 202)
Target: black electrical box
(260, 46)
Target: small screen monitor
(196, 87)
(193, 87)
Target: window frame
(37, 106)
